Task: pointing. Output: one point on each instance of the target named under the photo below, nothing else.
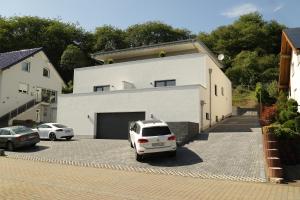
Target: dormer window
(46, 72)
(26, 66)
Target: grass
(243, 97)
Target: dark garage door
(116, 125)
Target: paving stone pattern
(215, 154)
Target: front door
(38, 94)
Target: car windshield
(59, 126)
(156, 131)
(21, 129)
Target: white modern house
(29, 85)
(179, 82)
(289, 78)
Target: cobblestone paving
(217, 155)
(28, 180)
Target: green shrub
(286, 115)
(284, 133)
(290, 124)
(297, 124)
(292, 105)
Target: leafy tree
(109, 38)
(68, 88)
(72, 58)
(154, 32)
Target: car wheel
(52, 137)
(10, 146)
(68, 138)
(138, 157)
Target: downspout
(210, 104)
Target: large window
(165, 83)
(23, 88)
(101, 88)
(26, 66)
(46, 72)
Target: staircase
(4, 119)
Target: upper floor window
(26, 66)
(23, 88)
(101, 88)
(165, 83)
(216, 90)
(222, 91)
(46, 72)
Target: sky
(195, 15)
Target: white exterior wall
(168, 103)
(10, 98)
(186, 69)
(295, 78)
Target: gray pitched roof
(294, 36)
(8, 59)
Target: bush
(297, 124)
(292, 105)
(284, 133)
(271, 128)
(290, 124)
(286, 115)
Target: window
(44, 126)
(216, 90)
(138, 129)
(207, 116)
(165, 83)
(26, 66)
(5, 132)
(156, 131)
(222, 91)
(46, 72)
(23, 88)
(102, 88)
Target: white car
(153, 136)
(53, 131)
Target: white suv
(151, 136)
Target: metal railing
(5, 118)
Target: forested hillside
(250, 44)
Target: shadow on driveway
(36, 148)
(184, 157)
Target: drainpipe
(210, 72)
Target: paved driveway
(222, 153)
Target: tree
(72, 58)
(154, 32)
(109, 38)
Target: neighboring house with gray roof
(29, 85)
(289, 76)
(185, 88)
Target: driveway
(225, 152)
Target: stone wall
(184, 131)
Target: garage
(116, 125)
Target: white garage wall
(169, 104)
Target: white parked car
(53, 131)
(153, 136)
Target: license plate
(68, 131)
(30, 137)
(159, 144)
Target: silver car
(17, 136)
(54, 131)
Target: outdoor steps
(275, 170)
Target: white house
(29, 85)
(185, 88)
(289, 78)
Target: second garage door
(116, 125)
